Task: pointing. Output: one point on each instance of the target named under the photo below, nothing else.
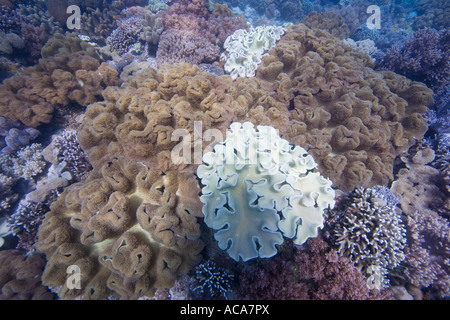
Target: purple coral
(424, 57)
(10, 20)
(15, 135)
(178, 46)
(311, 271)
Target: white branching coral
(258, 188)
(371, 233)
(28, 162)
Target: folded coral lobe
(257, 189)
(338, 105)
(131, 231)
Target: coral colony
(195, 149)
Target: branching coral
(252, 177)
(313, 271)
(213, 281)
(26, 163)
(424, 57)
(353, 120)
(25, 221)
(129, 229)
(137, 26)
(371, 233)
(66, 149)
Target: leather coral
(129, 230)
(352, 119)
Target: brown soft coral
(20, 277)
(32, 96)
(129, 229)
(353, 120)
(428, 248)
(139, 118)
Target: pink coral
(177, 46)
(312, 271)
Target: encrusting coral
(129, 229)
(353, 120)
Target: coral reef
(20, 277)
(26, 163)
(245, 49)
(139, 118)
(136, 27)
(428, 249)
(178, 46)
(423, 57)
(215, 26)
(250, 178)
(211, 281)
(370, 232)
(129, 229)
(15, 135)
(353, 120)
(32, 96)
(25, 221)
(313, 271)
(330, 21)
(65, 149)
(7, 194)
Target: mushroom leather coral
(129, 229)
(32, 96)
(352, 119)
(140, 117)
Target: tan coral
(139, 118)
(337, 104)
(129, 229)
(32, 96)
(20, 277)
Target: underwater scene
(224, 150)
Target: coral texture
(424, 57)
(32, 96)
(353, 120)
(245, 49)
(370, 233)
(195, 16)
(176, 46)
(145, 118)
(428, 249)
(313, 271)
(252, 177)
(20, 277)
(129, 229)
